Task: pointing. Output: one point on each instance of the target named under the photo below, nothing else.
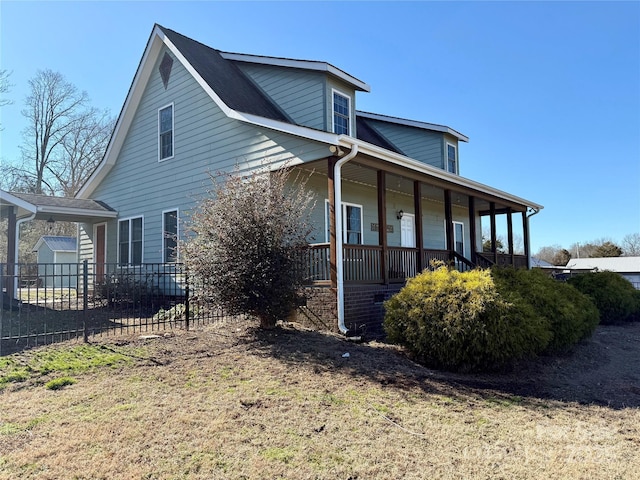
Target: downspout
(17, 249)
(339, 239)
(535, 212)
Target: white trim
(177, 211)
(413, 123)
(350, 118)
(95, 236)
(302, 64)
(344, 222)
(128, 219)
(446, 157)
(173, 133)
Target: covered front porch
(394, 221)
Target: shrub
(460, 321)
(613, 295)
(244, 243)
(569, 315)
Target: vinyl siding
(419, 144)
(205, 140)
(299, 93)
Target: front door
(100, 251)
(408, 239)
(408, 230)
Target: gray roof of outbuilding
(225, 78)
(613, 264)
(60, 244)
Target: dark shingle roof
(368, 134)
(63, 202)
(225, 78)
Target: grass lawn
(235, 403)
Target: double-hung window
(130, 241)
(170, 236)
(452, 159)
(341, 113)
(351, 222)
(165, 132)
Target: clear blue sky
(547, 92)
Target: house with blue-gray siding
(391, 197)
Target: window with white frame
(170, 236)
(351, 223)
(452, 158)
(341, 113)
(130, 241)
(165, 132)
(458, 237)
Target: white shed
(57, 261)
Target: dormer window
(452, 159)
(341, 113)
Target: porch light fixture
(50, 222)
(400, 214)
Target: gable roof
(225, 78)
(194, 57)
(613, 264)
(57, 244)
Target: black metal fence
(47, 303)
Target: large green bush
(569, 314)
(460, 321)
(614, 295)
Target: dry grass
(245, 404)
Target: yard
(230, 402)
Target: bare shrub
(244, 242)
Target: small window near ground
(165, 129)
(170, 236)
(341, 113)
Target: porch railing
(363, 263)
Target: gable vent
(165, 69)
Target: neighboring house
(390, 194)
(628, 267)
(57, 261)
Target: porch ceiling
(432, 189)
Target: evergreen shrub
(460, 321)
(613, 295)
(569, 314)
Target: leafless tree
(64, 141)
(5, 86)
(52, 109)
(631, 245)
(81, 150)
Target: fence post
(186, 297)
(85, 299)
